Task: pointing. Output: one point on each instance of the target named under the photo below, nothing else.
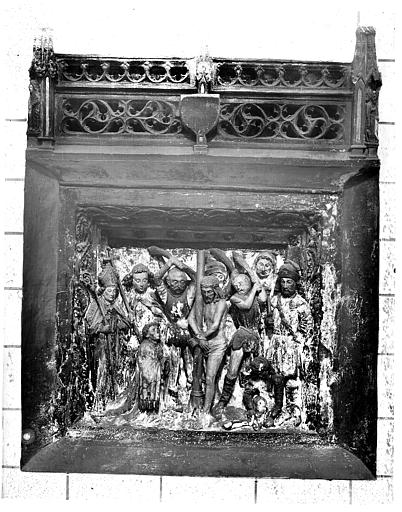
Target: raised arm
(246, 303)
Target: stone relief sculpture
(209, 334)
(152, 367)
(175, 291)
(292, 331)
(107, 324)
(157, 361)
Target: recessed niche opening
(104, 392)
(99, 395)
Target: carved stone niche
(100, 198)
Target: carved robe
(151, 367)
(108, 348)
(293, 327)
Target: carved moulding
(117, 116)
(287, 75)
(273, 120)
(139, 72)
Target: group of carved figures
(148, 327)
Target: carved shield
(199, 112)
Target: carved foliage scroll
(282, 121)
(134, 116)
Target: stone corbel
(367, 83)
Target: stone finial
(367, 81)
(43, 62)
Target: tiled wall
(199, 490)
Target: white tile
(138, 489)
(385, 447)
(208, 490)
(388, 210)
(11, 377)
(303, 491)
(387, 152)
(11, 438)
(372, 492)
(388, 92)
(385, 386)
(12, 303)
(18, 484)
(387, 267)
(386, 325)
(12, 253)
(13, 205)
(13, 149)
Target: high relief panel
(197, 339)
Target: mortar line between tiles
(255, 490)
(160, 489)
(386, 60)
(14, 179)
(387, 182)
(386, 294)
(19, 120)
(11, 346)
(387, 239)
(11, 409)
(385, 354)
(13, 232)
(350, 492)
(390, 123)
(10, 288)
(9, 466)
(385, 418)
(67, 486)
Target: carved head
(140, 278)
(259, 405)
(151, 331)
(107, 280)
(217, 269)
(265, 264)
(210, 289)
(177, 281)
(289, 276)
(242, 283)
(110, 293)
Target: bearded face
(288, 287)
(140, 282)
(177, 281)
(208, 294)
